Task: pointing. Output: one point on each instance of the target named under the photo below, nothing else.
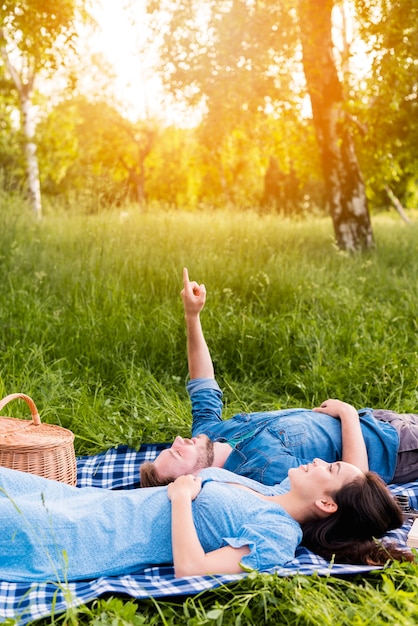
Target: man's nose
(180, 441)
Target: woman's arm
(188, 555)
(353, 447)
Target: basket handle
(14, 396)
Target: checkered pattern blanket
(119, 469)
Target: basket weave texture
(30, 446)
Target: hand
(336, 408)
(185, 486)
(193, 295)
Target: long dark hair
(366, 511)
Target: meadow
(91, 327)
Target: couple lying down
(215, 522)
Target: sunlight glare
(120, 37)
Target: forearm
(353, 446)
(189, 558)
(188, 554)
(198, 355)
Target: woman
(364, 513)
(217, 523)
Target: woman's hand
(187, 486)
(189, 558)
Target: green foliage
(91, 327)
(90, 154)
(381, 598)
(35, 26)
(244, 67)
(387, 105)
(11, 167)
(82, 149)
(36, 36)
(213, 50)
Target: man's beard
(207, 455)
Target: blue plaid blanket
(118, 468)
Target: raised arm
(198, 355)
(353, 446)
(188, 555)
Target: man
(264, 446)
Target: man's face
(186, 456)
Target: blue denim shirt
(270, 443)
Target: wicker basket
(30, 446)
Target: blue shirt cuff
(197, 384)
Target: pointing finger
(185, 277)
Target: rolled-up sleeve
(206, 398)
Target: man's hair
(150, 477)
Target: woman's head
(365, 511)
(318, 481)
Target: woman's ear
(326, 505)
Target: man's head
(186, 456)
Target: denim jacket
(266, 445)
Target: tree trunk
(32, 168)
(25, 90)
(343, 180)
(397, 204)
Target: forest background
(299, 108)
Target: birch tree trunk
(32, 167)
(343, 180)
(25, 91)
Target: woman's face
(319, 477)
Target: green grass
(91, 327)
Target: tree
(142, 138)
(11, 165)
(247, 63)
(88, 150)
(174, 173)
(236, 81)
(35, 35)
(344, 182)
(388, 106)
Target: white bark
(32, 167)
(397, 204)
(344, 183)
(25, 91)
